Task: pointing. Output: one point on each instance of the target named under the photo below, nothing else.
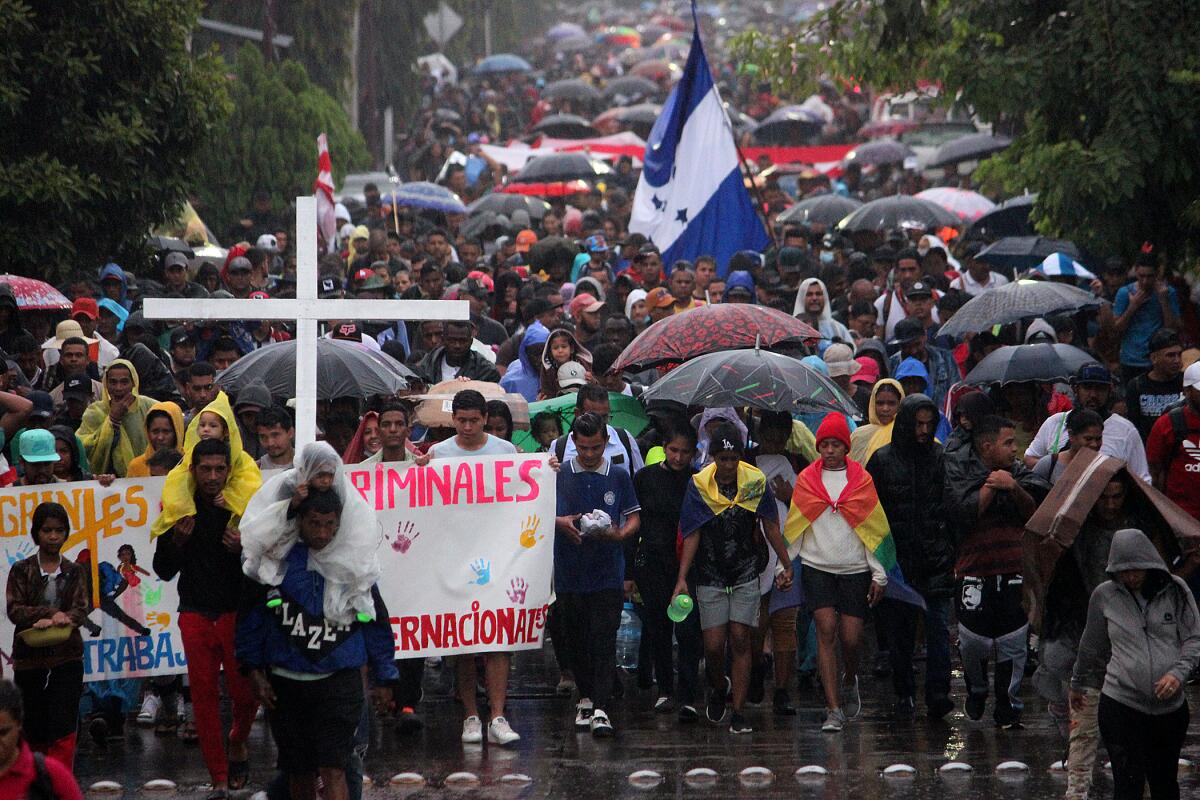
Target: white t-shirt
(895, 313)
(965, 283)
(494, 446)
(1121, 440)
(832, 545)
(774, 466)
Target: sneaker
(500, 732)
(851, 699)
(782, 704)
(688, 713)
(472, 730)
(151, 705)
(906, 708)
(601, 727)
(835, 720)
(738, 724)
(583, 714)
(975, 705)
(940, 706)
(407, 722)
(715, 710)
(728, 689)
(566, 685)
(98, 729)
(662, 705)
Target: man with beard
(909, 475)
(455, 358)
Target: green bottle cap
(275, 602)
(362, 617)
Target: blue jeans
(900, 622)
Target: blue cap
(1093, 373)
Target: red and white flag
(323, 188)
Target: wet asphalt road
(563, 764)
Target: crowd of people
(792, 534)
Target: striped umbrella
(1061, 264)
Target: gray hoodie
(1129, 645)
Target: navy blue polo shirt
(594, 565)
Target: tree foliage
(102, 110)
(269, 141)
(1099, 94)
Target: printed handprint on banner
(529, 528)
(24, 551)
(517, 590)
(152, 596)
(159, 618)
(483, 571)
(406, 534)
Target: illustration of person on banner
(837, 526)
(314, 618)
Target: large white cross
(307, 310)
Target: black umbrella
(825, 209)
(573, 44)
(790, 125)
(972, 147)
(552, 251)
(1043, 363)
(573, 89)
(898, 210)
(168, 244)
(566, 126)
(561, 167)
(630, 87)
(880, 151)
(1017, 301)
(640, 118)
(1010, 218)
(1020, 253)
(502, 203)
(487, 224)
(344, 369)
(757, 378)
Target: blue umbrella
(565, 30)
(502, 62)
(1062, 265)
(423, 194)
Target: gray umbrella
(757, 378)
(972, 147)
(826, 209)
(880, 151)
(1042, 363)
(1017, 301)
(897, 210)
(571, 89)
(344, 369)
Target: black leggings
(1144, 748)
(51, 699)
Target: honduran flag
(691, 200)
(859, 505)
(703, 501)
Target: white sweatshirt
(831, 545)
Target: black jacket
(909, 480)
(476, 367)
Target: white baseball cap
(571, 375)
(1191, 376)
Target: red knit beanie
(834, 427)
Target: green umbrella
(627, 413)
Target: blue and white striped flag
(691, 200)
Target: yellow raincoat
(178, 497)
(138, 468)
(110, 448)
(360, 232)
(866, 439)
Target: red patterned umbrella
(34, 295)
(552, 189)
(725, 326)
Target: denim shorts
(719, 606)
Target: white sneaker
(181, 708)
(583, 714)
(151, 705)
(433, 662)
(500, 732)
(601, 727)
(472, 730)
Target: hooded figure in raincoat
(113, 429)
(349, 563)
(863, 442)
(823, 319)
(169, 411)
(178, 497)
(524, 377)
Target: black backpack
(1179, 427)
(41, 787)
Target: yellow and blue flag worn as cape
(859, 505)
(704, 501)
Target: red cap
(525, 240)
(86, 306)
(363, 274)
(834, 427)
(484, 279)
(868, 371)
(259, 296)
(584, 303)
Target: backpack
(41, 787)
(1179, 427)
(560, 449)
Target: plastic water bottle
(629, 637)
